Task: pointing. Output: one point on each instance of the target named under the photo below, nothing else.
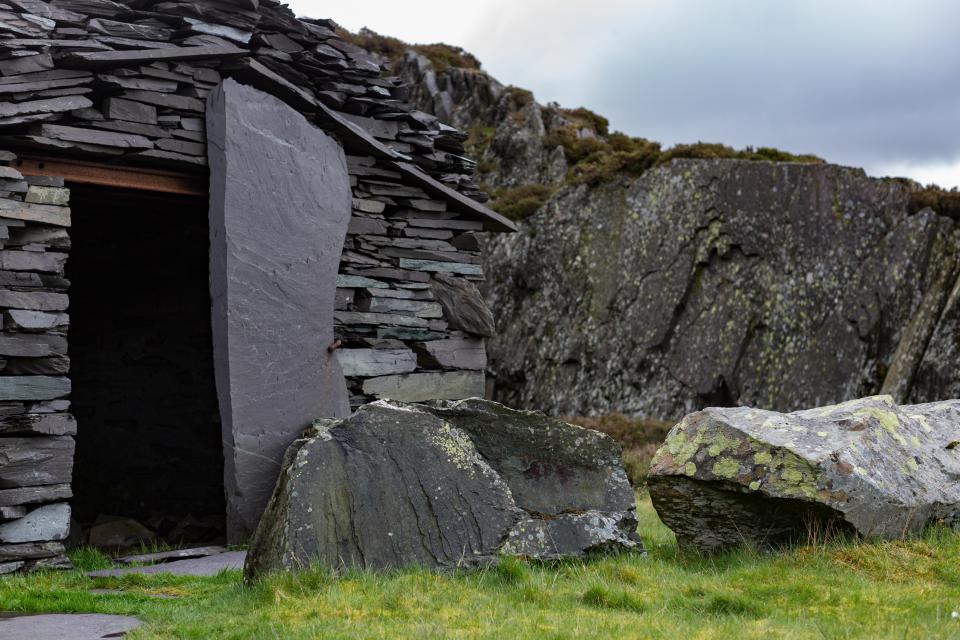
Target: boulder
(868, 467)
(447, 485)
(111, 532)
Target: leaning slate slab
(868, 466)
(279, 210)
(455, 484)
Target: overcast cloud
(866, 83)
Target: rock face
(723, 283)
(728, 476)
(703, 282)
(455, 484)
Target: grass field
(905, 589)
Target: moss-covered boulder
(449, 485)
(728, 476)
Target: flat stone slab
(209, 566)
(171, 556)
(57, 626)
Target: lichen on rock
(452, 484)
(865, 466)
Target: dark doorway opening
(149, 442)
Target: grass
(905, 589)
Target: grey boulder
(441, 486)
(867, 467)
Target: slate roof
(127, 80)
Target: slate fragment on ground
(454, 484)
(725, 476)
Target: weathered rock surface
(701, 283)
(723, 283)
(455, 484)
(726, 476)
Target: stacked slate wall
(400, 321)
(36, 430)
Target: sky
(868, 83)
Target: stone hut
(218, 223)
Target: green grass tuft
(604, 597)
(90, 559)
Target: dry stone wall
(399, 342)
(36, 428)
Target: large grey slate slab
(62, 626)
(280, 205)
(208, 566)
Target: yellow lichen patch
(762, 458)
(457, 447)
(690, 469)
(849, 404)
(726, 468)
(924, 423)
(887, 419)
(721, 443)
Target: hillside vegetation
(593, 154)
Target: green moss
(519, 203)
(796, 477)
(456, 446)
(479, 138)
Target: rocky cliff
(656, 282)
(723, 282)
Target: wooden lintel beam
(122, 177)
